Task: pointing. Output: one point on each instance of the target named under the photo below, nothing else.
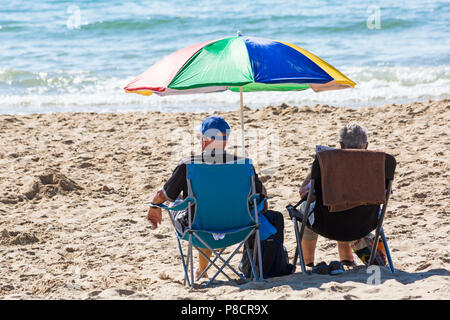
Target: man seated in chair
(352, 136)
(215, 131)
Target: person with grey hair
(352, 136)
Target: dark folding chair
(349, 225)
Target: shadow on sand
(360, 274)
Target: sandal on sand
(336, 268)
(348, 263)
(321, 268)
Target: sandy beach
(74, 189)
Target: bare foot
(198, 272)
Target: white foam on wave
(84, 92)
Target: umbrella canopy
(239, 63)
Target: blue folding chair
(224, 202)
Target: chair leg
(380, 224)
(186, 276)
(191, 259)
(298, 249)
(299, 236)
(388, 253)
(253, 275)
(255, 256)
(295, 258)
(373, 251)
(210, 262)
(258, 243)
(255, 251)
(225, 262)
(257, 237)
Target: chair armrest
(256, 196)
(259, 202)
(180, 206)
(294, 213)
(162, 206)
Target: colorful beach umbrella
(239, 64)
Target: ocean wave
(30, 92)
(128, 24)
(44, 82)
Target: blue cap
(213, 125)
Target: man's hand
(266, 205)
(304, 187)
(154, 216)
(303, 191)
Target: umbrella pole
(242, 122)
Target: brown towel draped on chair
(352, 177)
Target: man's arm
(154, 215)
(304, 187)
(170, 191)
(259, 188)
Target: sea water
(78, 55)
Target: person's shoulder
(239, 159)
(191, 159)
(225, 157)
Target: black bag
(275, 261)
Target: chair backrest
(389, 167)
(351, 177)
(221, 192)
(351, 224)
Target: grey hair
(353, 136)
